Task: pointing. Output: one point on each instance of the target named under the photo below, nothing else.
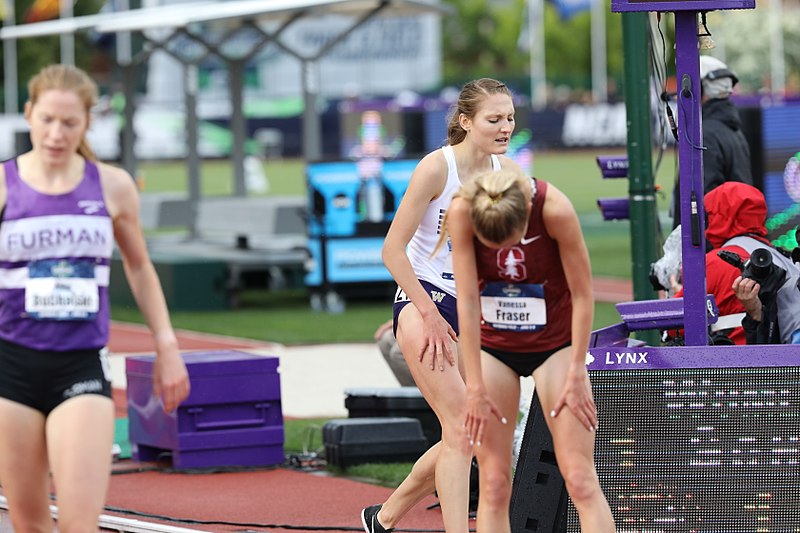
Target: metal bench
(262, 241)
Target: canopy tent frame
(244, 15)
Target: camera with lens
(761, 269)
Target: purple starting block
(660, 314)
(613, 166)
(643, 315)
(232, 416)
(614, 208)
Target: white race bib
(513, 306)
(59, 289)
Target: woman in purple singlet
(61, 213)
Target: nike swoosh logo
(528, 241)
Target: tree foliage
(481, 39)
(751, 58)
(489, 38)
(33, 54)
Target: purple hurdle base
(643, 315)
(232, 417)
(614, 208)
(613, 166)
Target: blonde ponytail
(498, 205)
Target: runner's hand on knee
(577, 397)
(437, 334)
(479, 408)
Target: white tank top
(438, 269)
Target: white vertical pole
(67, 39)
(10, 61)
(776, 59)
(123, 38)
(537, 54)
(599, 59)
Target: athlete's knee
(77, 524)
(495, 487)
(30, 515)
(28, 524)
(454, 436)
(77, 528)
(581, 481)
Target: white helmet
(717, 79)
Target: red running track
(257, 498)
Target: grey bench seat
(262, 237)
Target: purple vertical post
(690, 160)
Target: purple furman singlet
(55, 255)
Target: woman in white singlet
(425, 319)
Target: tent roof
(184, 14)
(236, 13)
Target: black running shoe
(369, 517)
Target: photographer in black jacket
(727, 154)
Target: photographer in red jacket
(733, 209)
(754, 283)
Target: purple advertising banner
(666, 357)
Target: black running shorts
(43, 380)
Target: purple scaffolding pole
(690, 161)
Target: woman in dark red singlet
(525, 308)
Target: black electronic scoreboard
(690, 440)
(699, 450)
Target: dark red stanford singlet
(525, 300)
